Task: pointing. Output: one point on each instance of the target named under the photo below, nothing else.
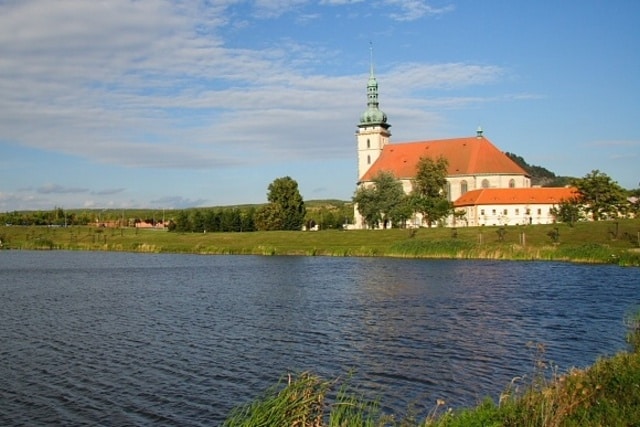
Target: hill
(540, 176)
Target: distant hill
(540, 176)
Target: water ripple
(130, 339)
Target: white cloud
(442, 76)
(152, 84)
(339, 2)
(108, 191)
(275, 8)
(411, 10)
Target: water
(135, 339)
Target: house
(475, 166)
(511, 206)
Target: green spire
(373, 115)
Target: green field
(615, 242)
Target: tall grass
(605, 394)
(306, 400)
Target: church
(482, 181)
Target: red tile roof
(466, 156)
(506, 196)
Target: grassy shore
(606, 394)
(594, 242)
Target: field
(615, 242)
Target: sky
(169, 104)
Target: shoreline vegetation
(605, 394)
(610, 242)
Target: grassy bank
(606, 394)
(595, 242)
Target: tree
(429, 196)
(197, 220)
(568, 211)
(380, 201)
(367, 201)
(285, 210)
(600, 195)
(183, 222)
(401, 212)
(248, 220)
(269, 217)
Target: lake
(103, 338)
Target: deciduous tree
(600, 195)
(269, 217)
(429, 196)
(380, 201)
(568, 211)
(285, 210)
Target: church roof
(466, 156)
(516, 196)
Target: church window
(512, 183)
(463, 187)
(485, 183)
(368, 143)
(368, 160)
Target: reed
(606, 394)
(306, 400)
(585, 242)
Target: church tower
(373, 130)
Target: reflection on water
(109, 338)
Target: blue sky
(172, 104)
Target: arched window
(512, 183)
(463, 187)
(368, 160)
(368, 143)
(485, 183)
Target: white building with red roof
(511, 206)
(482, 181)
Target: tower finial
(373, 115)
(371, 58)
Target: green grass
(307, 400)
(606, 394)
(594, 242)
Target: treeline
(56, 217)
(212, 220)
(324, 215)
